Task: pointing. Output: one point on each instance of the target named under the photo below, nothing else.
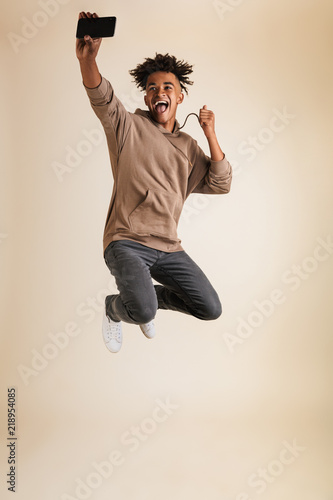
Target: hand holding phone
(86, 51)
(94, 26)
(87, 48)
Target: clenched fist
(207, 121)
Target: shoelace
(113, 332)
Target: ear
(145, 99)
(180, 98)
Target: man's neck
(169, 125)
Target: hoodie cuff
(101, 93)
(221, 167)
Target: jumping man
(155, 168)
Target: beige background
(237, 407)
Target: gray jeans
(184, 287)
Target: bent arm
(216, 171)
(217, 179)
(208, 176)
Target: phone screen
(96, 27)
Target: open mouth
(161, 106)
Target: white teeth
(160, 102)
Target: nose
(160, 92)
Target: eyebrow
(164, 83)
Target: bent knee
(212, 311)
(217, 311)
(143, 315)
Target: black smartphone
(96, 27)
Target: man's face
(163, 94)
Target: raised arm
(86, 52)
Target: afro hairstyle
(167, 63)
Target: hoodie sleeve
(112, 115)
(214, 176)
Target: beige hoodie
(154, 171)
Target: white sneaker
(112, 333)
(148, 329)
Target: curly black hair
(162, 63)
